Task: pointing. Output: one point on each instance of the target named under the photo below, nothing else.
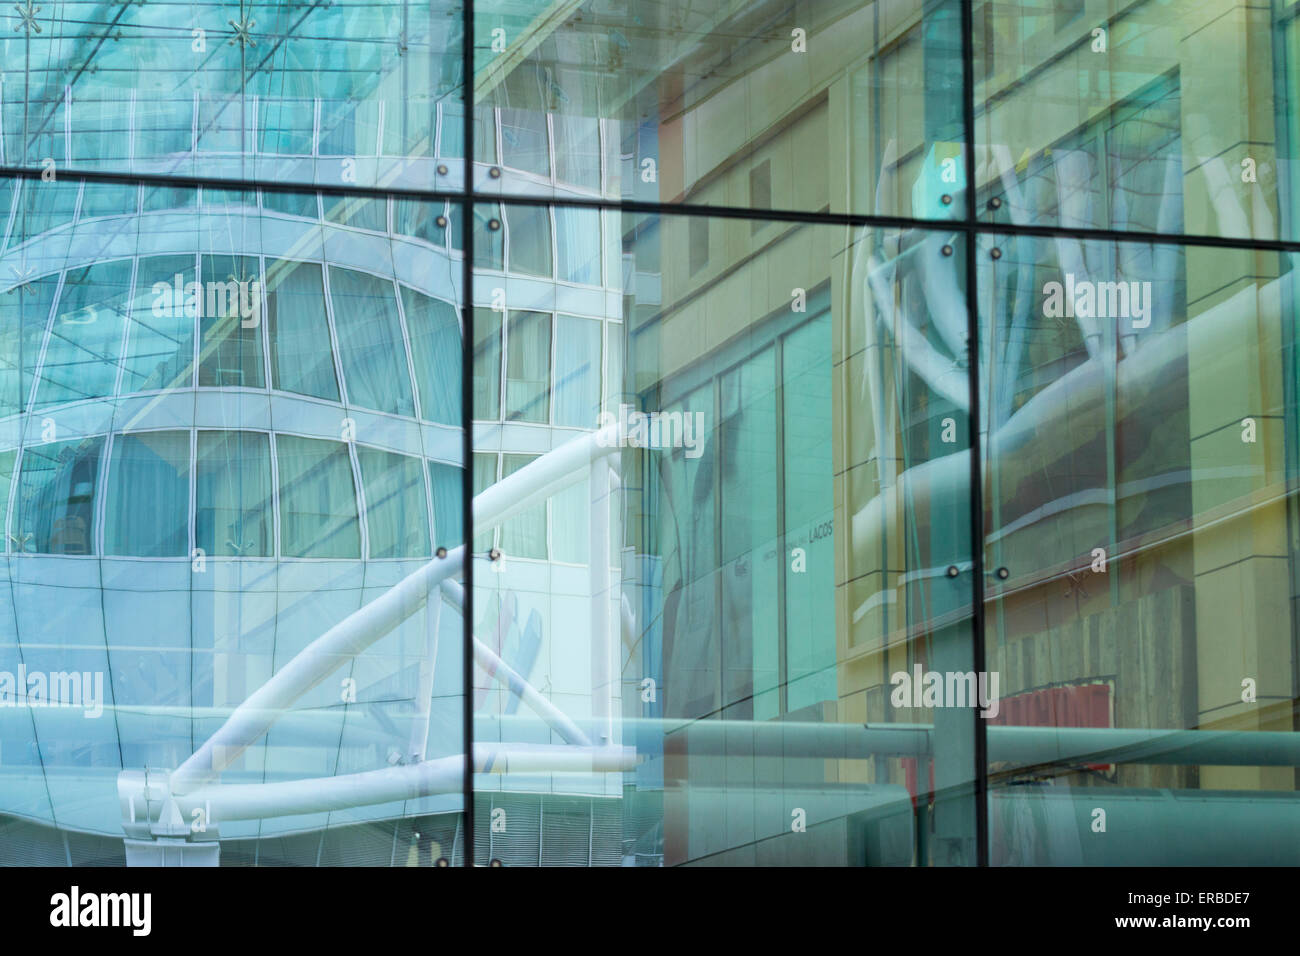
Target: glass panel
(523, 536)
(232, 515)
(396, 514)
(435, 334)
(528, 366)
(230, 91)
(230, 350)
(686, 100)
(132, 355)
(448, 520)
(487, 364)
(577, 235)
(160, 339)
(82, 353)
(146, 514)
(1171, 119)
(758, 563)
(530, 240)
(577, 371)
(318, 499)
(1141, 523)
(24, 314)
(302, 359)
(54, 512)
(370, 342)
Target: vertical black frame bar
(973, 423)
(467, 424)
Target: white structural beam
(539, 479)
(225, 802)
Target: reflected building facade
(758, 361)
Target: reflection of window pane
(577, 234)
(302, 360)
(396, 516)
(285, 125)
(24, 312)
(369, 214)
(485, 476)
(318, 500)
(524, 535)
(370, 342)
(233, 494)
(809, 512)
(528, 367)
(523, 141)
(570, 514)
(148, 505)
(160, 344)
(451, 138)
(7, 460)
(448, 515)
(291, 204)
(489, 244)
(435, 349)
(487, 365)
(577, 371)
(230, 323)
(109, 199)
(530, 240)
(577, 150)
(413, 217)
(81, 353)
(54, 513)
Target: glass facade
(831, 432)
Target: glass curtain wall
(828, 432)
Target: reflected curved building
(766, 370)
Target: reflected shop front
(629, 433)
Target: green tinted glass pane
(230, 349)
(318, 499)
(147, 509)
(337, 94)
(448, 514)
(487, 364)
(160, 337)
(7, 461)
(54, 512)
(85, 341)
(523, 536)
(370, 342)
(302, 358)
(435, 349)
(396, 514)
(233, 494)
(528, 366)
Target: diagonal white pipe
(539, 479)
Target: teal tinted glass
(232, 494)
(397, 520)
(318, 499)
(344, 94)
(146, 514)
(757, 526)
(190, 498)
(678, 103)
(54, 512)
